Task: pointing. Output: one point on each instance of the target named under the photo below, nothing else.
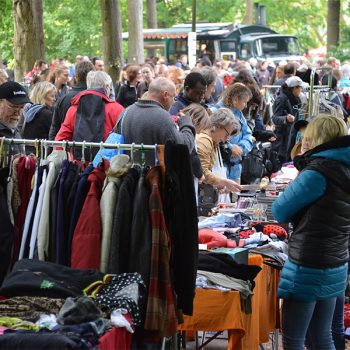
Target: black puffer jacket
(321, 231)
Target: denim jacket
(243, 139)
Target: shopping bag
(115, 137)
(220, 170)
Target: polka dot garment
(123, 291)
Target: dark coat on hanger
(181, 215)
(7, 230)
(119, 251)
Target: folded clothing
(223, 263)
(41, 278)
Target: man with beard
(13, 97)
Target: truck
(223, 41)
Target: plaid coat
(160, 314)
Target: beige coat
(206, 149)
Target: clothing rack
(83, 144)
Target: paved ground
(221, 344)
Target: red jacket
(86, 244)
(112, 112)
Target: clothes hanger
(132, 154)
(143, 159)
(83, 153)
(156, 160)
(1, 149)
(10, 158)
(66, 149)
(45, 149)
(36, 145)
(101, 151)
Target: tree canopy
(74, 27)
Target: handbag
(253, 166)
(220, 170)
(114, 138)
(208, 197)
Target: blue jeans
(315, 317)
(338, 333)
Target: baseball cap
(296, 81)
(14, 93)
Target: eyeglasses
(228, 133)
(15, 108)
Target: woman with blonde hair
(38, 114)
(59, 77)
(317, 202)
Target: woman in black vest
(318, 204)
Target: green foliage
(307, 19)
(342, 51)
(172, 12)
(6, 29)
(74, 26)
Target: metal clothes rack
(83, 144)
(66, 145)
(312, 84)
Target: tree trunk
(152, 20)
(28, 42)
(39, 27)
(135, 42)
(112, 37)
(333, 18)
(249, 9)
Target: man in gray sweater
(148, 121)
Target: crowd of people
(213, 108)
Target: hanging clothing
(6, 227)
(118, 256)
(24, 173)
(59, 214)
(160, 314)
(31, 207)
(69, 189)
(86, 244)
(83, 187)
(55, 160)
(108, 204)
(139, 258)
(34, 235)
(181, 215)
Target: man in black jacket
(13, 97)
(62, 105)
